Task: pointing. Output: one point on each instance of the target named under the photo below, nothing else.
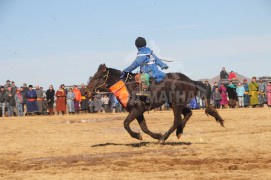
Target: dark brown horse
(176, 89)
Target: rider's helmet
(140, 42)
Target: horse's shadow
(143, 144)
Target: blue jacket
(148, 63)
(31, 94)
(240, 90)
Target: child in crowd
(105, 99)
(45, 106)
(91, 105)
(19, 103)
(240, 90)
(216, 98)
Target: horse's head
(102, 80)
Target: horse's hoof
(137, 136)
(158, 136)
(161, 141)
(179, 135)
(140, 137)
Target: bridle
(104, 84)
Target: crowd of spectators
(239, 94)
(29, 100)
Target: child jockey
(147, 61)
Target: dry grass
(98, 147)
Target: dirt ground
(97, 147)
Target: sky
(45, 42)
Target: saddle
(143, 81)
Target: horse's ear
(102, 68)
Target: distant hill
(217, 78)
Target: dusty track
(98, 147)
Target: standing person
(224, 97)
(77, 99)
(3, 99)
(268, 94)
(10, 102)
(208, 91)
(240, 90)
(45, 106)
(91, 106)
(97, 103)
(7, 84)
(31, 102)
(214, 87)
(39, 99)
(70, 101)
(262, 90)
(61, 101)
(112, 101)
(223, 74)
(23, 94)
(105, 99)
(231, 89)
(50, 95)
(19, 102)
(216, 98)
(246, 95)
(253, 92)
(84, 99)
(13, 87)
(232, 75)
(24, 90)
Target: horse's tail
(209, 109)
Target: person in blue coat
(147, 61)
(31, 103)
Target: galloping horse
(176, 89)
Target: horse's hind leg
(187, 114)
(177, 109)
(132, 115)
(144, 128)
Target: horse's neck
(114, 76)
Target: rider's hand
(166, 67)
(122, 75)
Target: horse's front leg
(145, 129)
(132, 115)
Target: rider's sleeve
(137, 62)
(160, 63)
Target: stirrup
(143, 94)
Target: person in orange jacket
(78, 98)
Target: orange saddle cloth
(119, 89)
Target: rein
(104, 83)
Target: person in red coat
(61, 101)
(232, 76)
